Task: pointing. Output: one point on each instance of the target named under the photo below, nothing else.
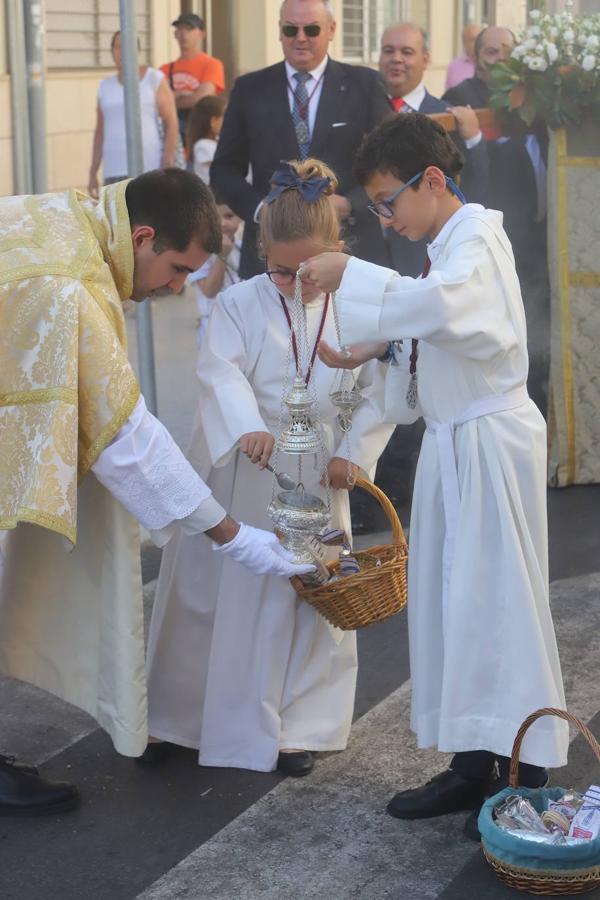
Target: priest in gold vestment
(81, 458)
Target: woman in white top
(203, 130)
(110, 143)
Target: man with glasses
(306, 105)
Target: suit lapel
(331, 106)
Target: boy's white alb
(481, 669)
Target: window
(365, 20)
(78, 32)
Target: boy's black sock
(529, 776)
(477, 764)
(480, 764)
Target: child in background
(239, 666)
(218, 272)
(203, 130)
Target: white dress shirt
(415, 97)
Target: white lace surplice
(146, 471)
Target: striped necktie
(300, 113)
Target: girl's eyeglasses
(281, 279)
(385, 208)
(310, 31)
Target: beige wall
(257, 41)
(71, 96)
(71, 108)
(71, 105)
(257, 34)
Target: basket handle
(398, 539)
(513, 780)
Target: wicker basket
(555, 877)
(375, 593)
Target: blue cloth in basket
(528, 855)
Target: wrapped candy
(572, 819)
(348, 564)
(517, 814)
(537, 837)
(556, 821)
(586, 821)
(567, 805)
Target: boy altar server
(482, 646)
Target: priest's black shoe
(22, 767)
(156, 752)
(24, 793)
(446, 793)
(297, 764)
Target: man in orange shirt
(195, 74)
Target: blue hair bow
(286, 177)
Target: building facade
(244, 33)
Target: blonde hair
(290, 217)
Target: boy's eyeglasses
(310, 31)
(385, 208)
(281, 279)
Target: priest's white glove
(261, 553)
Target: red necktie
(397, 103)
(491, 132)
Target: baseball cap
(189, 20)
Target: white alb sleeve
(146, 471)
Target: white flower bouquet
(553, 72)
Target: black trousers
(479, 764)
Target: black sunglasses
(309, 30)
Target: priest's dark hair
(178, 205)
(405, 145)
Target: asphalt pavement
(184, 831)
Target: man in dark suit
(516, 158)
(517, 187)
(306, 105)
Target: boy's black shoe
(446, 793)
(296, 764)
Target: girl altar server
(238, 666)
(483, 651)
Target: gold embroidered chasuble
(71, 617)
(66, 386)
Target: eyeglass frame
(386, 204)
(291, 275)
(296, 28)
